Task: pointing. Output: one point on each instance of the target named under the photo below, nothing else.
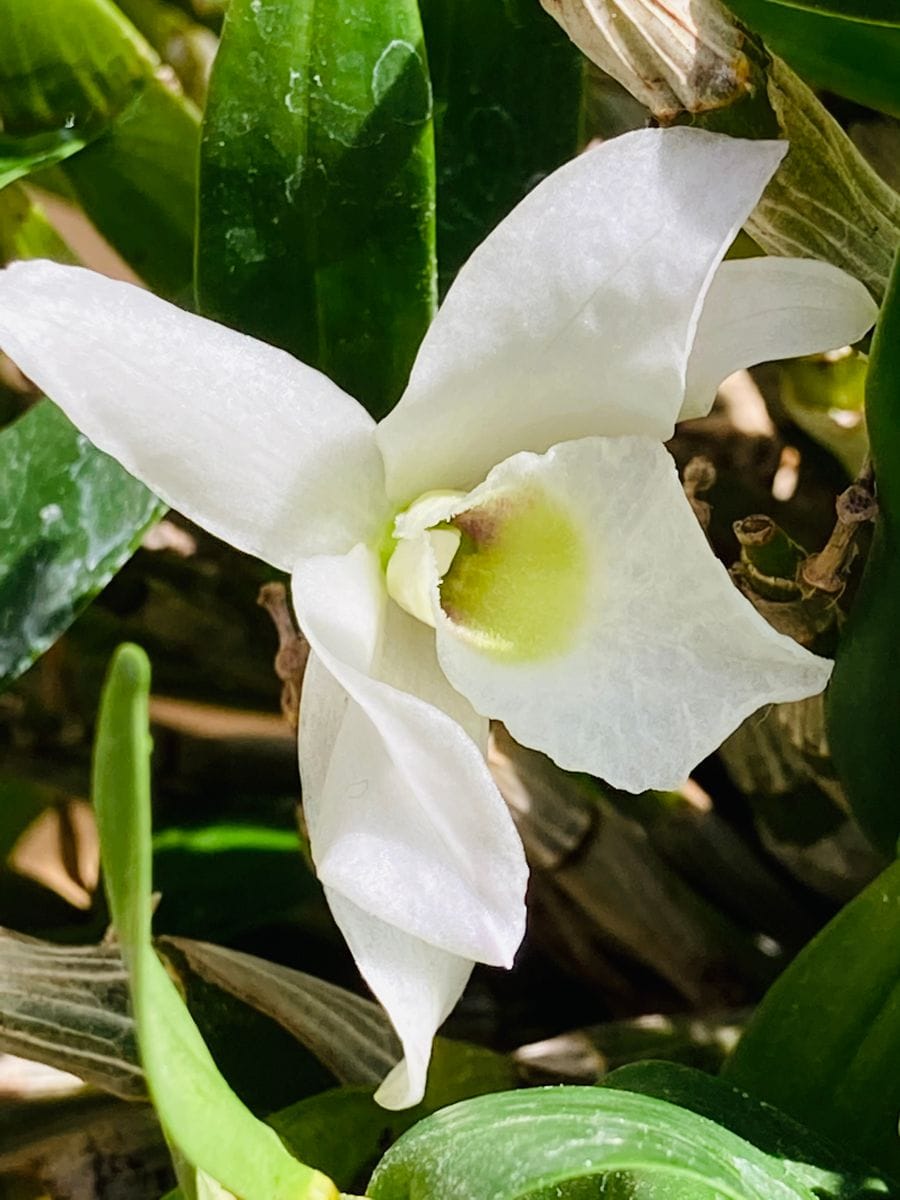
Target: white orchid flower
(511, 541)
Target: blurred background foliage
(315, 174)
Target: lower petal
(417, 984)
(405, 820)
(660, 657)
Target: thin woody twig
(698, 477)
(292, 652)
(827, 570)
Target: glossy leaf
(823, 1045)
(22, 156)
(345, 1131)
(73, 69)
(496, 136)
(70, 518)
(883, 12)
(71, 515)
(25, 232)
(349, 1035)
(810, 1157)
(516, 1144)
(138, 185)
(316, 227)
(181, 41)
(195, 869)
(210, 1126)
(853, 59)
(863, 709)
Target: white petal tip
(398, 1090)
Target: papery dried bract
(679, 56)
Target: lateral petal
(259, 449)
(762, 309)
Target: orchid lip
(508, 570)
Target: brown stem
(827, 570)
(292, 652)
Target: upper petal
(761, 309)
(663, 657)
(251, 444)
(407, 822)
(577, 314)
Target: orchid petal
(416, 983)
(409, 824)
(577, 314)
(762, 309)
(240, 437)
(667, 657)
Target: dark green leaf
(344, 1131)
(137, 183)
(25, 232)
(864, 697)
(883, 12)
(351, 1036)
(496, 134)
(814, 1161)
(207, 1122)
(517, 1144)
(67, 1006)
(181, 41)
(71, 517)
(22, 156)
(316, 226)
(195, 870)
(851, 58)
(78, 69)
(825, 1041)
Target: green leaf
(853, 59)
(495, 135)
(181, 41)
(71, 518)
(863, 701)
(316, 228)
(345, 1131)
(350, 1035)
(21, 156)
(25, 232)
(67, 1006)
(207, 1122)
(77, 69)
(138, 186)
(814, 1161)
(824, 1044)
(882, 12)
(195, 869)
(516, 1144)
